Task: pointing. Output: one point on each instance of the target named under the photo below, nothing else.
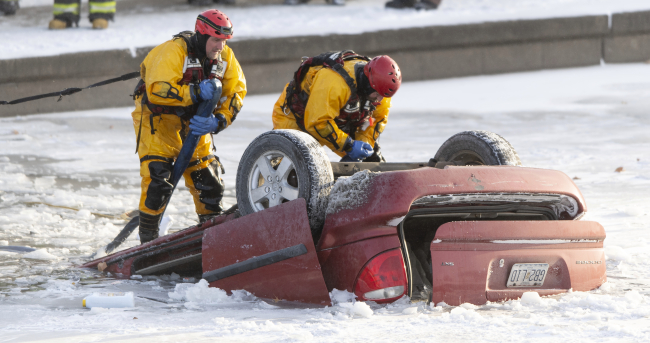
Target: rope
(70, 91)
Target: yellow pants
(158, 149)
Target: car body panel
(388, 196)
(342, 265)
(467, 266)
(247, 253)
(165, 249)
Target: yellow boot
(56, 24)
(100, 23)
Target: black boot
(148, 227)
(199, 2)
(427, 5)
(400, 4)
(205, 217)
(9, 7)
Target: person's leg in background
(66, 14)
(101, 11)
(9, 7)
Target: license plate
(527, 275)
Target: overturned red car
(470, 225)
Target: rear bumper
(471, 261)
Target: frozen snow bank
(199, 294)
(531, 298)
(344, 296)
(617, 253)
(345, 303)
(358, 309)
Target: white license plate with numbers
(527, 275)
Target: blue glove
(204, 125)
(359, 151)
(206, 89)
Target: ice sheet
(66, 178)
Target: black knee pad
(159, 189)
(208, 182)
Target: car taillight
(382, 279)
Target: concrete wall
(423, 53)
(629, 40)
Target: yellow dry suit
(163, 107)
(330, 103)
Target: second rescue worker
(177, 76)
(342, 100)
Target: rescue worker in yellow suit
(342, 99)
(177, 76)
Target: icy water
(67, 180)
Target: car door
(268, 253)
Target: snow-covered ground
(28, 36)
(66, 178)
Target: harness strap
(171, 160)
(200, 160)
(296, 98)
(156, 157)
(344, 74)
(137, 141)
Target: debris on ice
(531, 298)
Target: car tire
(478, 148)
(283, 165)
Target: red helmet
(214, 23)
(384, 75)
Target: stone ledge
(423, 53)
(630, 22)
(118, 62)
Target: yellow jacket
(162, 70)
(328, 94)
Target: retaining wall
(423, 53)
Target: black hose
(124, 234)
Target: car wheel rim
(467, 158)
(273, 181)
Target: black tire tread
(492, 148)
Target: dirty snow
(26, 34)
(586, 122)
